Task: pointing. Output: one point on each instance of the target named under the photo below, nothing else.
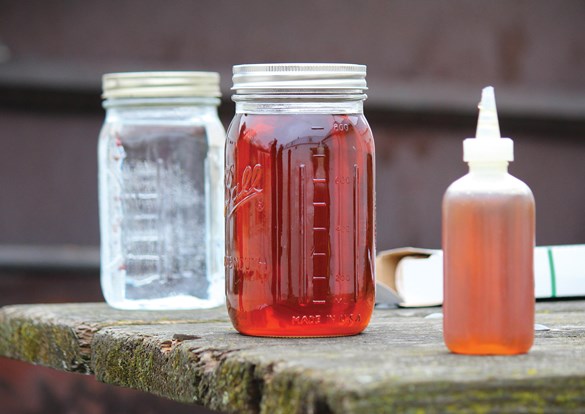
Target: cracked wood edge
(60, 335)
(47, 343)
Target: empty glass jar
(160, 190)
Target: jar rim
(160, 84)
(305, 78)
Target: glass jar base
(179, 302)
(286, 322)
(300, 336)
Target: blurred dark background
(427, 62)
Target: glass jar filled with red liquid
(299, 210)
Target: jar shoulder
(501, 184)
(129, 129)
(294, 129)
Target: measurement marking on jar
(340, 126)
(151, 257)
(320, 229)
(340, 262)
(303, 282)
(317, 128)
(356, 214)
(140, 196)
(145, 216)
(342, 277)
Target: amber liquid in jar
(488, 240)
(299, 224)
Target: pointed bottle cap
(488, 146)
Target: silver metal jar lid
(160, 85)
(317, 78)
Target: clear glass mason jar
(160, 190)
(299, 181)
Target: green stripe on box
(553, 276)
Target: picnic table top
(399, 363)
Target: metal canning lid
(299, 78)
(170, 84)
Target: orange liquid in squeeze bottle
(299, 201)
(488, 244)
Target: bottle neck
(484, 167)
(295, 104)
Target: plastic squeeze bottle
(488, 244)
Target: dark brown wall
(427, 62)
(530, 44)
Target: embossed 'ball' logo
(240, 193)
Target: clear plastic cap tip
(488, 146)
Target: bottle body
(299, 224)
(160, 175)
(488, 244)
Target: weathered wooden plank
(60, 336)
(399, 364)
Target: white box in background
(414, 277)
